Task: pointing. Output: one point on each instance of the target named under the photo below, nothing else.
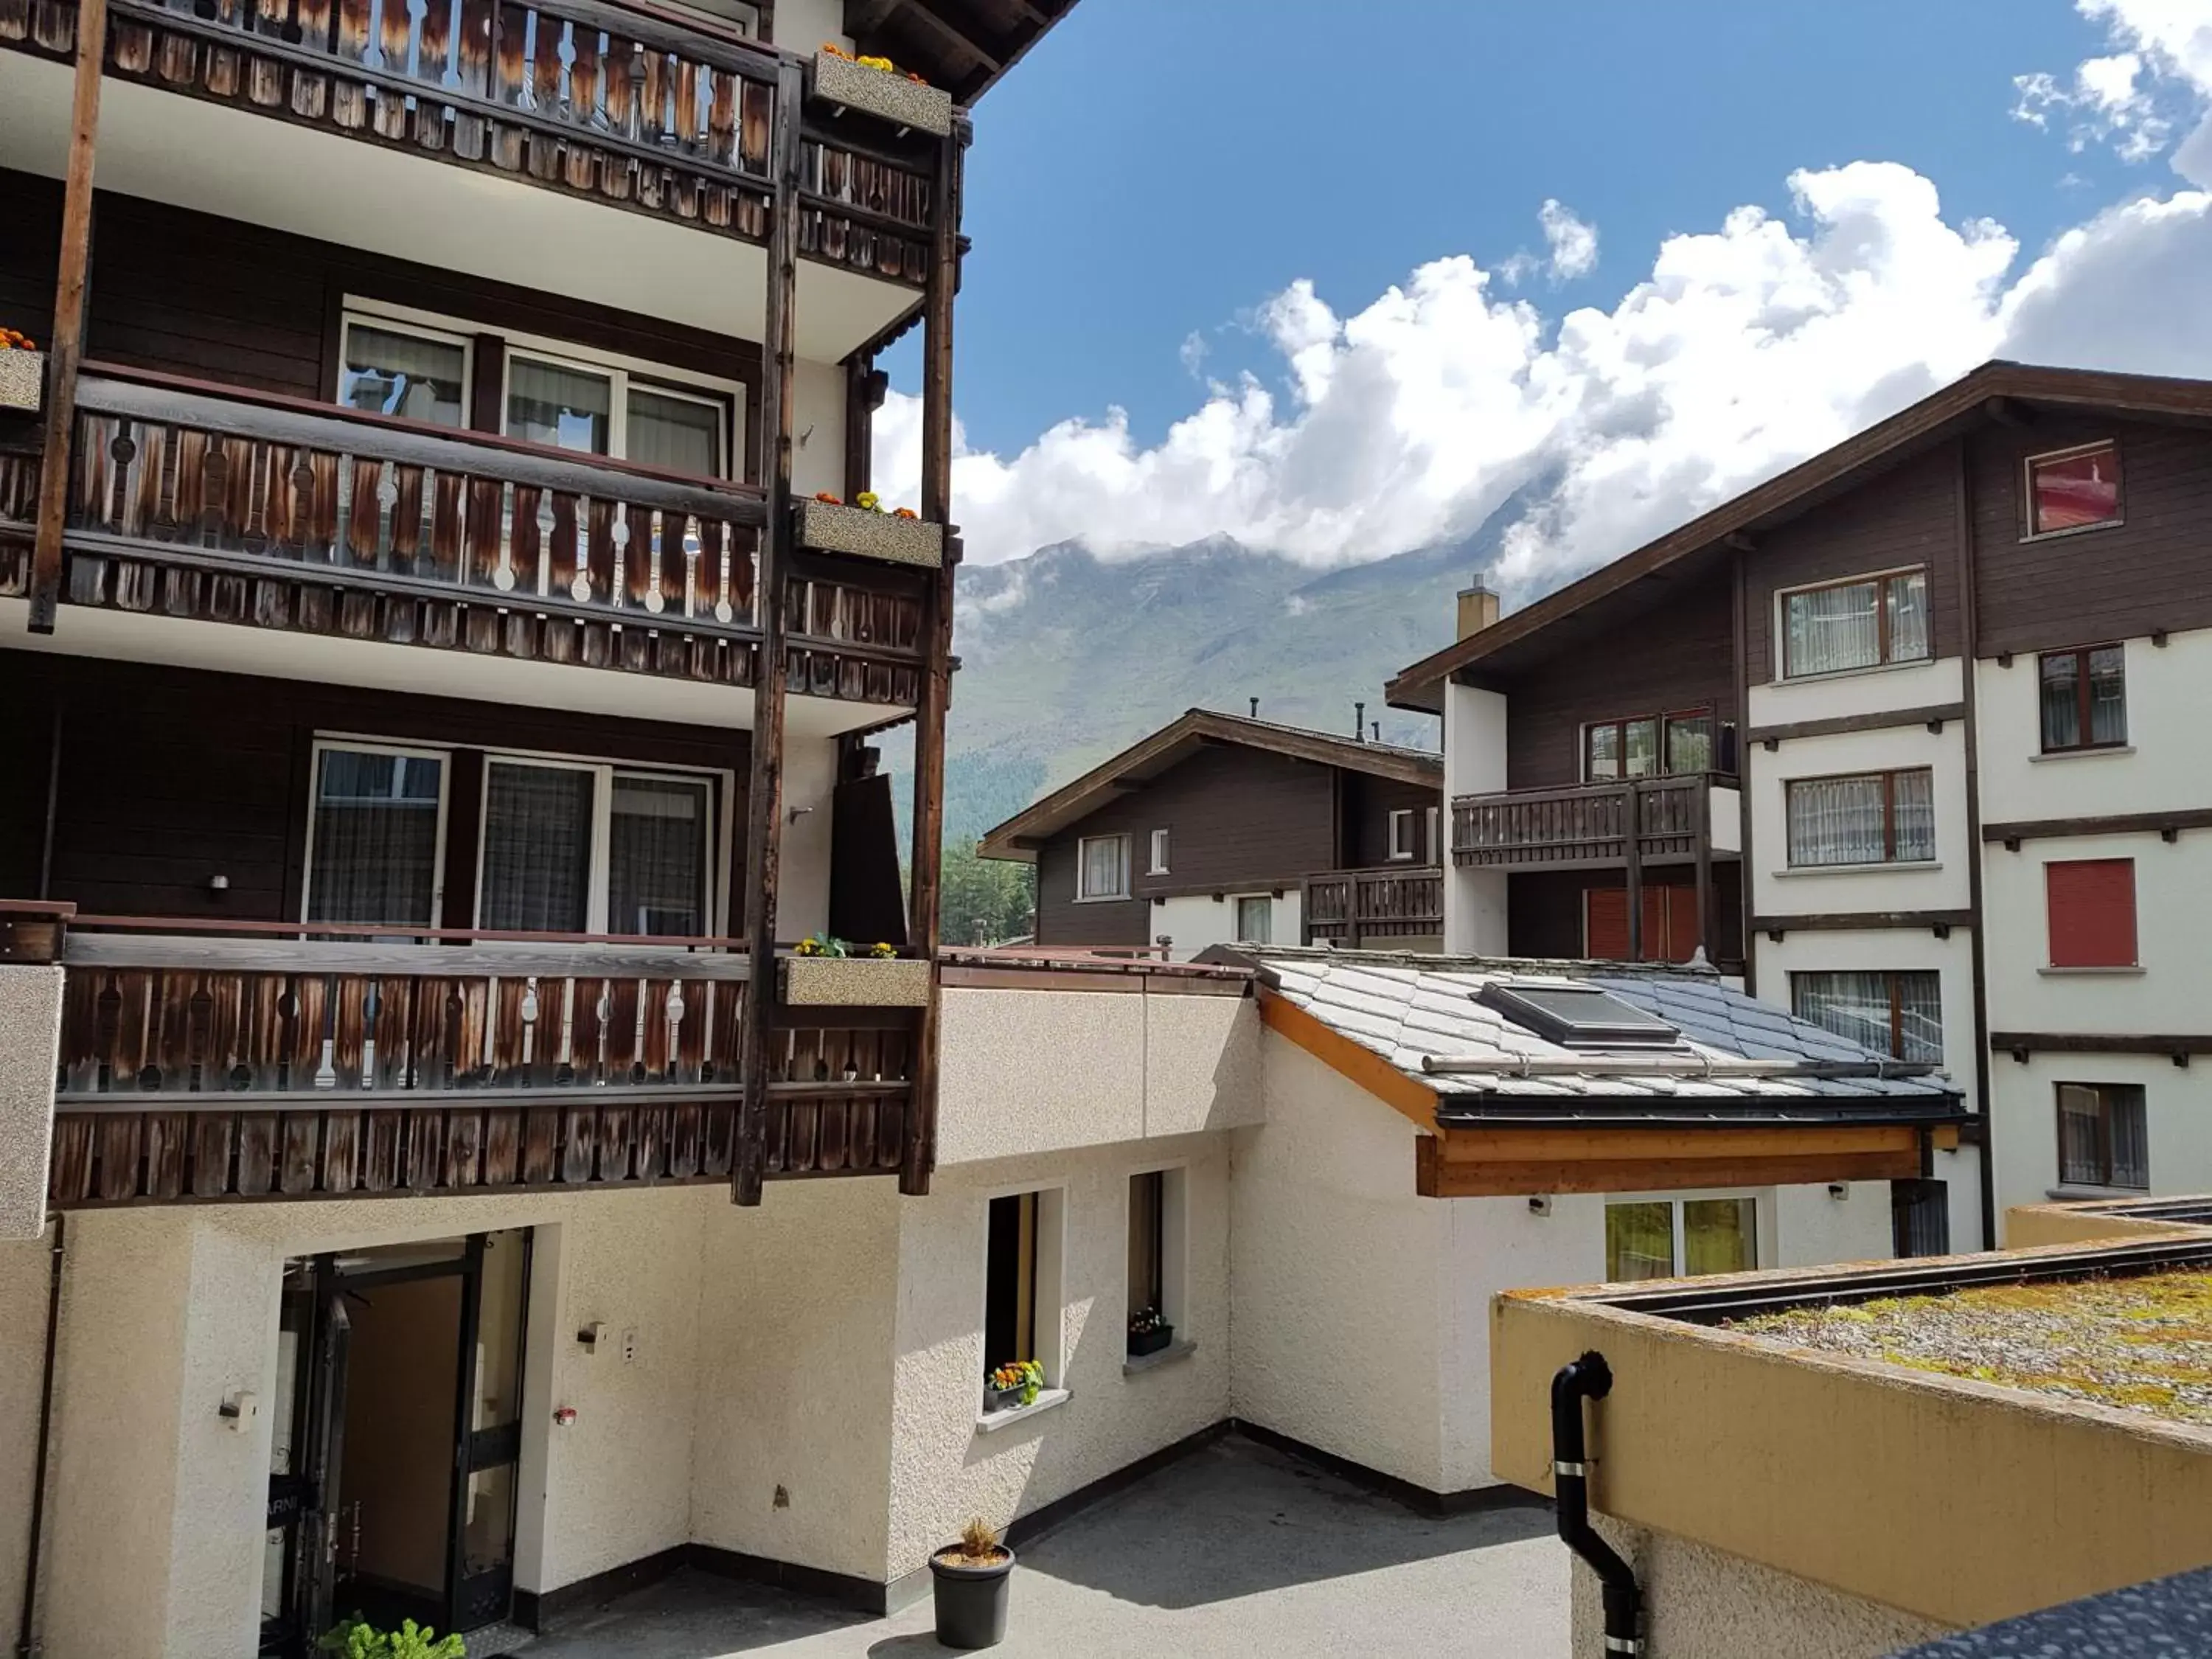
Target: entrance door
(306, 1443)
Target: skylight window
(1578, 1016)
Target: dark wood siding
(1061, 920)
(171, 777)
(1368, 803)
(2154, 571)
(1673, 657)
(1908, 515)
(187, 294)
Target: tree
(986, 901)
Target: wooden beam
(1661, 1144)
(1679, 1174)
(2006, 411)
(925, 880)
(65, 348)
(1932, 715)
(930, 13)
(1841, 921)
(1351, 1061)
(765, 796)
(2168, 825)
(2097, 1042)
(866, 16)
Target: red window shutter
(1681, 934)
(1653, 941)
(2091, 907)
(1605, 914)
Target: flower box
(832, 527)
(23, 380)
(886, 94)
(856, 981)
(1152, 1342)
(1000, 1400)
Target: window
(1862, 623)
(1159, 860)
(1402, 842)
(1919, 1217)
(1022, 1282)
(598, 411)
(376, 848)
(2091, 908)
(2084, 698)
(2103, 1138)
(1156, 1249)
(1564, 1012)
(1255, 917)
(1646, 1238)
(1868, 818)
(578, 848)
(1648, 745)
(2074, 489)
(1101, 867)
(1897, 1014)
(391, 368)
(1670, 930)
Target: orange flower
(904, 512)
(916, 79)
(837, 51)
(824, 495)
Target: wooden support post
(919, 1154)
(65, 350)
(1701, 829)
(764, 798)
(1632, 854)
(865, 385)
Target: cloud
(1574, 244)
(2156, 81)
(1409, 422)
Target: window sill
(2063, 1194)
(1851, 673)
(1105, 898)
(1901, 866)
(992, 1422)
(2081, 754)
(1167, 1356)
(2124, 970)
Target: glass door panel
(374, 856)
(536, 848)
(657, 861)
(554, 404)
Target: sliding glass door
(573, 848)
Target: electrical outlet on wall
(630, 1345)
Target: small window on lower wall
(2103, 1135)
(1021, 1292)
(1670, 1238)
(1156, 1235)
(1255, 920)
(1897, 1014)
(1920, 1218)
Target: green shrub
(356, 1638)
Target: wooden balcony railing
(194, 1067)
(621, 104)
(1353, 908)
(1587, 826)
(249, 508)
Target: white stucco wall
(1197, 921)
(1474, 764)
(809, 780)
(2024, 1120)
(2166, 764)
(1813, 1227)
(817, 404)
(803, 25)
(1776, 889)
(157, 1507)
(944, 1469)
(1861, 691)
(1125, 1065)
(30, 1039)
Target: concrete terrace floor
(1234, 1549)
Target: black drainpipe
(27, 1640)
(1589, 1378)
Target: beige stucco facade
(30, 1037)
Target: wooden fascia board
(1535, 1179)
(1350, 1061)
(1535, 1161)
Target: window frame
(1885, 628)
(442, 333)
(1889, 776)
(604, 775)
(1049, 1314)
(2029, 532)
(1662, 722)
(323, 741)
(1398, 849)
(1762, 1212)
(621, 380)
(2082, 699)
(1082, 864)
(2134, 1094)
(1237, 903)
(1156, 857)
(1893, 975)
(1174, 1242)
(2135, 918)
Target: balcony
(225, 505)
(1384, 906)
(1683, 819)
(197, 1065)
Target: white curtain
(1105, 867)
(538, 848)
(568, 408)
(1848, 820)
(386, 372)
(676, 434)
(375, 854)
(657, 856)
(1857, 1006)
(1908, 617)
(1831, 628)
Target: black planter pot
(971, 1601)
(1151, 1341)
(1001, 1400)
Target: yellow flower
(868, 499)
(874, 63)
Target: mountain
(1067, 658)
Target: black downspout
(26, 1639)
(1589, 1378)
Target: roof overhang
(1999, 393)
(962, 46)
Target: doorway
(399, 1427)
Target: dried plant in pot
(972, 1580)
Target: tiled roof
(1405, 1006)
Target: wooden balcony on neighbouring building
(1383, 907)
(1612, 824)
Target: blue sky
(1164, 171)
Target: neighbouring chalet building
(1910, 738)
(1223, 829)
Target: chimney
(1256, 708)
(1478, 609)
(1376, 726)
(1358, 721)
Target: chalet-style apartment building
(1229, 829)
(1912, 739)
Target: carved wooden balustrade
(627, 107)
(202, 1068)
(1352, 908)
(263, 510)
(1587, 826)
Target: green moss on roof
(2144, 1344)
